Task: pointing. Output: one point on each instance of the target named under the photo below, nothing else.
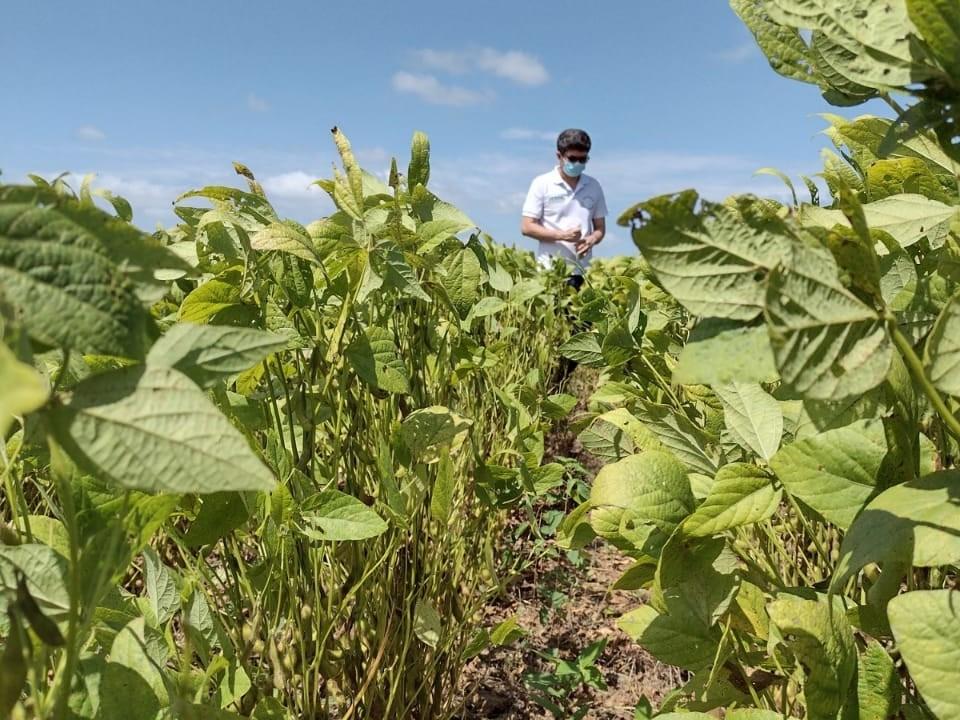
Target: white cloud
(450, 61)
(90, 133)
(256, 103)
(428, 88)
(528, 134)
(520, 67)
(739, 54)
(514, 65)
(295, 185)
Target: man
(565, 210)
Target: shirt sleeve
(600, 208)
(533, 205)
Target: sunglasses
(577, 158)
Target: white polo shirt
(557, 206)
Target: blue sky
(160, 97)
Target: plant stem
(917, 370)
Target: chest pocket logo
(588, 202)
(555, 202)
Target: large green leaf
(71, 292)
(719, 352)
(646, 494)
(753, 418)
(153, 429)
(338, 516)
(209, 353)
(713, 264)
(822, 639)
(835, 472)
(741, 494)
(784, 47)
(943, 349)
(926, 625)
(374, 356)
(827, 343)
(917, 522)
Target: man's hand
(569, 235)
(584, 246)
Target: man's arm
(599, 230)
(533, 229)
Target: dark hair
(573, 139)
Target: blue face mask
(572, 169)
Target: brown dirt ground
(493, 685)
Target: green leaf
(827, 344)
(218, 299)
(427, 624)
(721, 351)
(713, 264)
(287, 237)
(926, 625)
(752, 416)
(432, 426)
(374, 357)
(821, 639)
(784, 47)
(835, 472)
(878, 684)
(208, 353)
(132, 681)
(354, 183)
(45, 571)
(616, 434)
(462, 281)
(220, 514)
(418, 171)
(741, 495)
(71, 292)
(675, 641)
(583, 348)
(648, 494)
(24, 389)
(939, 23)
(680, 436)
(558, 406)
(160, 587)
(942, 354)
(341, 517)
(908, 218)
(153, 429)
(696, 579)
(916, 522)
